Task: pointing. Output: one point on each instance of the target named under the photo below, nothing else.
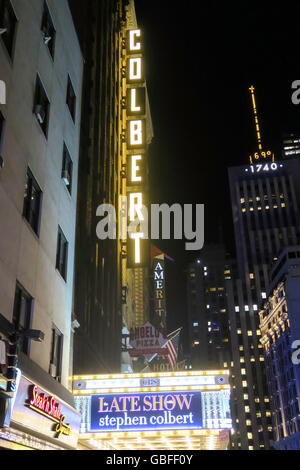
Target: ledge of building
(35, 373)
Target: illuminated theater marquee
(146, 411)
(136, 142)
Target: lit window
(237, 309)
(248, 422)
(246, 308)
(249, 435)
(244, 383)
(239, 332)
(247, 409)
(246, 396)
(242, 359)
(67, 169)
(251, 275)
(249, 333)
(41, 106)
(62, 254)
(264, 295)
(255, 308)
(243, 371)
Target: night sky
(201, 57)
(200, 63)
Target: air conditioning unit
(66, 177)
(46, 36)
(40, 113)
(52, 371)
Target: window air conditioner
(47, 37)
(40, 113)
(66, 177)
(52, 370)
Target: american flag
(172, 347)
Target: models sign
(146, 411)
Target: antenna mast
(260, 154)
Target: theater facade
(154, 411)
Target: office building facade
(264, 198)
(280, 333)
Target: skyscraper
(265, 207)
(207, 309)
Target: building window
(32, 202)
(48, 30)
(22, 315)
(62, 254)
(41, 106)
(56, 354)
(71, 99)
(8, 22)
(67, 169)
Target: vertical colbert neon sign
(136, 149)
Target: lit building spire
(252, 89)
(260, 154)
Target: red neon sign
(46, 405)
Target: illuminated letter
(136, 207)
(147, 403)
(114, 405)
(134, 107)
(184, 401)
(137, 249)
(135, 68)
(136, 133)
(133, 45)
(135, 168)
